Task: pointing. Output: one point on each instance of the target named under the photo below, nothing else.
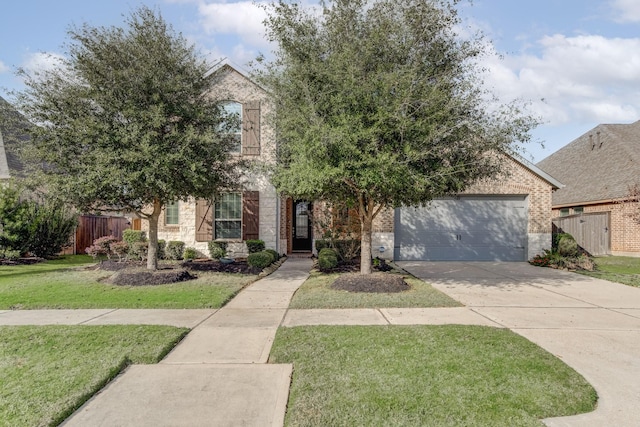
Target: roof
(555, 184)
(600, 165)
(12, 135)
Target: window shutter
(250, 215)
(204, 220)
(251, 129)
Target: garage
(465, 228)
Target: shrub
(274, 253)
(10, 254)
(119, 249)
(132, 236)
(346, 249)
(96, 251)
(260, 259)
(254, 246)
(217, 250)
(140, 250)
(567, 246)
(105, 243)
(327, 259)
(189, 253)
(162, 247)
(175, 249)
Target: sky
(575, 62)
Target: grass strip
(316, 292)
(64, 284)
(424, 376)
(625, 270)
(49, 371)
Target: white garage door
(468, 228)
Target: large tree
(126, 121)
(379, 104)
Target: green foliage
(260, 259)
(132, 236)
(274, 253)
(137, 243)
(162, 247)
(42, 227)
(189, 253)
(327, 259)
(139, 250)
(217, 250)
(555, 259)
(254, 246)
(567, 246)
(405, 120)
(131, 121)
(175, 249)
(346, 249)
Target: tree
(379, 104)
(126, 121)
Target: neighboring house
(598, 170)
(507, 219)
(12, 135)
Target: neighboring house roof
(12, 135)
(599, 166)
(555, 184)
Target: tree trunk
(365, 243)
(152, 256)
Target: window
(228, 216)
(171, 213)
(578, 210)
(564, 212)
(234, 111)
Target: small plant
(105, 243)
(10, 254)
(189, 253)
(133, 238)
(162, 247)
(254, 246)
(217, 250)
(327, 259)
(140, 250)
(260, 259)
(175, 249)
(567, 246)
(274, 253)
(119, 249)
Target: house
(507, 219)
(12, 135)
(598, 169)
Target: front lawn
(619, 269)
(316, 292)
(424, 375)
(66, 283)
(49, 371)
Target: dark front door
(301, 226)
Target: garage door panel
(468, 228)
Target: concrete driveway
(593, 325)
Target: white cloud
(574, 79)
(3, 67)
(626, 10)
(41, 61)
(243, 19)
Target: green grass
(625, 270)
(424, 376)
(49, 371)
(65, 283)
(315, 292)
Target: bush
(132, 236)
(217, 250)
(189, 253)
(162, 247)
(254, 246)
(175, 249)
(567, 246)
(119, 249)
(346, 249)
(140, 250)
(327, 259)
(134, 240)
(260, 259)
(274, 253)
(10, 254)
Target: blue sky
(576, 61)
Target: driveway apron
(592, 325)
(217, 376)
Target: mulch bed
(145, 278)
(374, 282)
(22, 261)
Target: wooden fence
(591, 231)
(91, 227)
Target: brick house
(598, 170)
(506, 219)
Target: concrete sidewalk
(217, 376)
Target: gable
(598, 166)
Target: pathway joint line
(383, 316)
(98, 316)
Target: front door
(301, 227)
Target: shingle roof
(12, 135)
(600, 165)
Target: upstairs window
(564, 212)
(233, 110)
